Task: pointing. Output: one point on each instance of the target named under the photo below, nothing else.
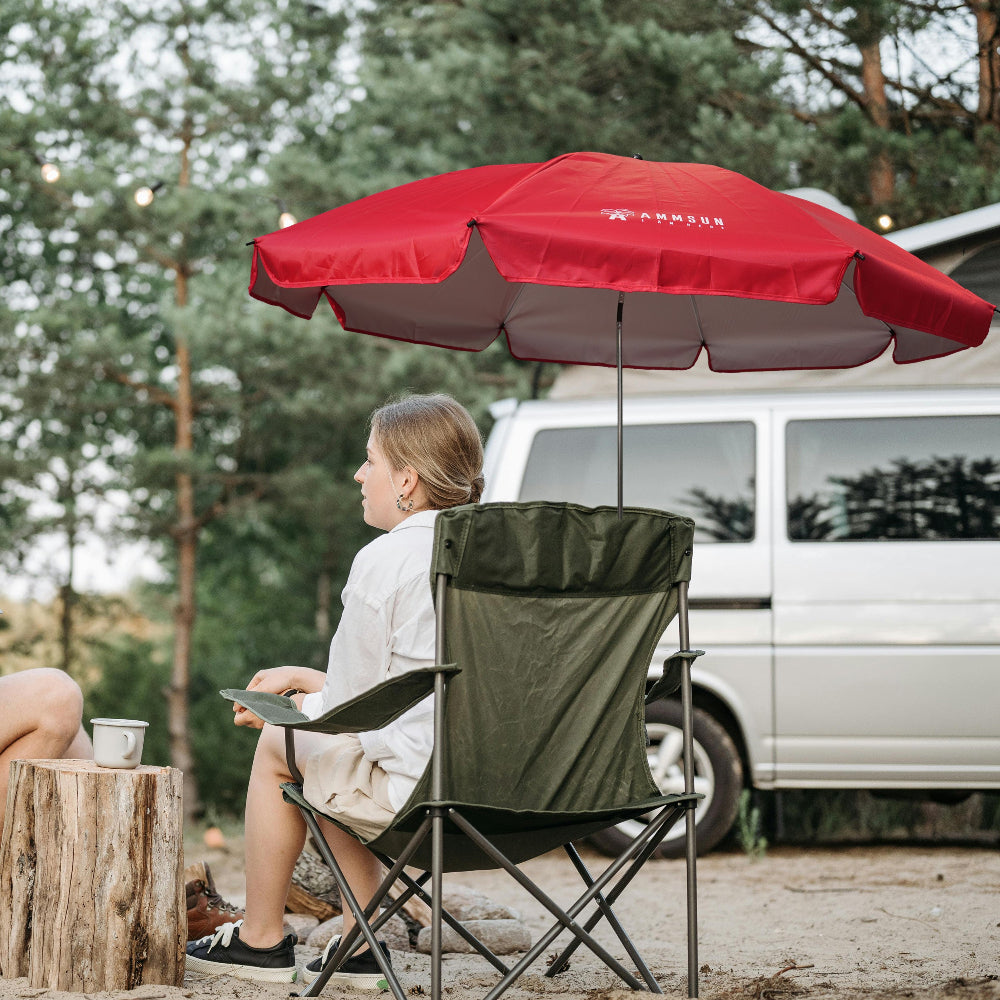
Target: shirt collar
(419, 519)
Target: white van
(846, 581)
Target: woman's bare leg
(361, 868)
(274, 836)
(40, 719)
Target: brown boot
(206, 909)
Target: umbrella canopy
(682, 257)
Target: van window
(704, 471)
(886, 478)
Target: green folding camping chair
(548, 616)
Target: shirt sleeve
(386, 629)
(359, 653)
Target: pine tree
(902, 95)
(188, 102)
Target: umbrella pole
(621, 442)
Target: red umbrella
(678, 256)
(704, 257)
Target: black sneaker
(359, 972)
(224, 954)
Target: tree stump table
(91, 876)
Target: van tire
(718, 773)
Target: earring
(399, 504)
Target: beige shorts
(346, 786)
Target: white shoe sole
(251, 972)
(358, 981)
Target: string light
(144, 196)
(50, 172)
(285, 219)
(885, 222)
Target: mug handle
(129, 738)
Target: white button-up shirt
(387, 628)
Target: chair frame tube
(691, 845)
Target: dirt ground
(847, 923)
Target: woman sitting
(424, 454)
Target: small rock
(300, 924)
(214, 837)
(502, 936)
(393, 932)
(468, 904)
(322, 933)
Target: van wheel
(718, 775)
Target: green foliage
(444, 86)
(895, 79)
(834, 813)
(134, 675)
(748, 828)
(235, 105)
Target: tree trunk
(91, 865)
(186, 542)
(67, 594)
(881, 177)
(988, 105)
(185, 535)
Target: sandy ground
(862, 921)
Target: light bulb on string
(50, 172)
(285, 218)
(144, 195)
(885, 222)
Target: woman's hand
(277, 680)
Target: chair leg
(640, 850)
(565, 918)
(692, 903)
(604, 903)
(415, 888)
(361, 916)
(437, 864)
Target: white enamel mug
(118, 742)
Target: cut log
(314, 891)
(301, 900)
(91, 876)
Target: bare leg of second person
(274, 837)
(40, 719)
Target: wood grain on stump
(91, 876)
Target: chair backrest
(552, 612)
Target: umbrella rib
(513, 303)
(697, 319)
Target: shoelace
(215, 901)
(223, 933)
(331, 946)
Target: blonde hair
(437, 437)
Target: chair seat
(521, 835)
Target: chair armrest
(276, 709)
(372, 709)
(670, 679)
